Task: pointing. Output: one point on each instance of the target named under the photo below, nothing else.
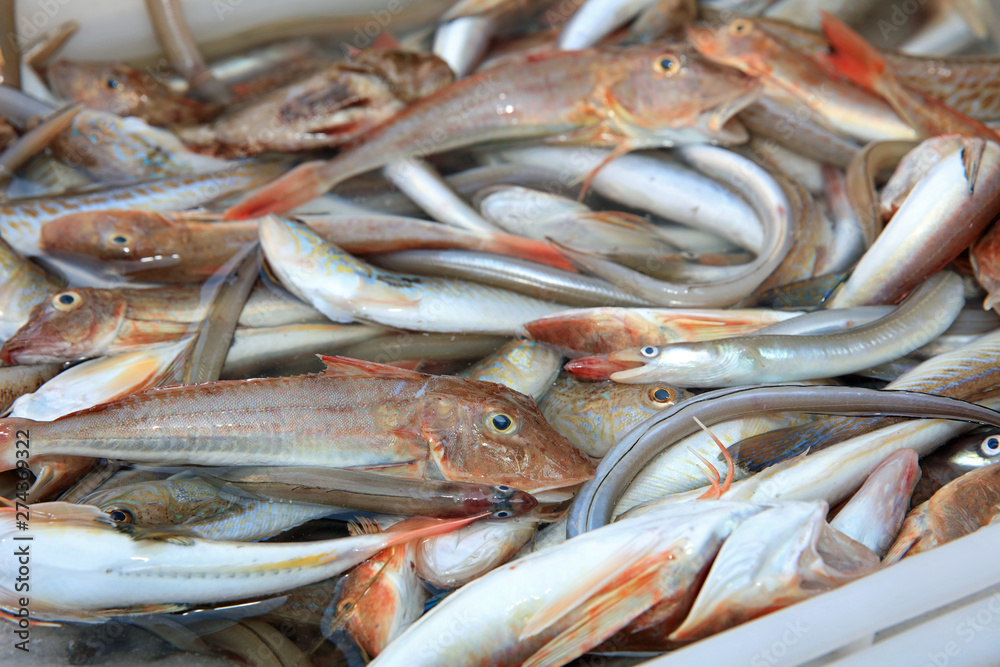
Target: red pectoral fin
(852, 56)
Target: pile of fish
(544, 330)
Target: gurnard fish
(171, 247)
(325, 109)
(89, 322)
(395, 420)
(637, 97)
(21, 221)
(960, 507)
(841, 106)
(126, 91)
(111, 574)
(345, 288)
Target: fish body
(525, 366)
(344, 288)
(850, 110)
(465, 555)
(22, 286)
(21, 221)
(87, 322)
(420, 425)
(605, 330)
(110, 573)
(593, 415)
(199, 506)
(643, 96)
(328, 108)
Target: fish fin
(299, 186)
(714, 478)
(416, 528)
(587, 586)
(600, 617)
(348, 367)
(530, 249)
(730, 466)
(363, 525)
(851, 55)
(619, 150)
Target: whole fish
(637, 97)
(768, 358)
(110, 573)
(344, 288)
(164, 247)
(958, 508)
(89, 322)
(21, 221)
(388, 418)
(328, 108)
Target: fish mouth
(633, 368)
(599, 366)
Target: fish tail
(299, 186)
(852, 56)
(530, 249)
(15, 442)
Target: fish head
(126, 91)
(168, 502)
(76, 323)
(114, 236)
(673, 95)
(410, 74)
(486, 432)
(740, 44)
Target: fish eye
(120, 516)
(502, 422)
(668, 64)
(662, 395)
(502, 514)
(650, 351)
(112, 83)
(119, 240)
(990, 446)
(66, 301)
(740, 27)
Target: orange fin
(730, 466)
(852, 56)
(299, 186)
(348, 367)
(531, 250)
(600, 617)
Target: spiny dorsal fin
(347, 367)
